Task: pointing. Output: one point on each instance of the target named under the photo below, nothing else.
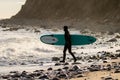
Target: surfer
(68, 44)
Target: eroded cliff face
(73, 9)
(99, 11)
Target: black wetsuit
(68, 45)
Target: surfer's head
(65, 28)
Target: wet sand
(98, 75)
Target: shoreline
(105, 71)
(21, 60)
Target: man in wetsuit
(67, 45)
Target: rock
(44, 77)
(80, 75)
(13, 71)
(57, 64)
(49, 69)
(90, 60)
(33, 75)
(5, 76)
(66, 63)
(24, 74)
(55, 58)
(39, 70)
(66, 68)
(75, 68)
(94, 68)
(59, 69)
(4, 26)
(16, 75)
(112, 40)
(117, 50)
(62, 76)
(108, 78)
(109, 67)
(105, 61)
(113, 57)
(117, 71)
(118, 36)
(23, 63)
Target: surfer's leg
(69, 49)
(64, 53)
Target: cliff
(97, 11)
(75, 9)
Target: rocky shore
(72, 71)
(98, 61)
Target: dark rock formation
(92, 14)
(73, 9)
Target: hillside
(88, 12)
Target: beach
(24, 57)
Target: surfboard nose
(92, 40)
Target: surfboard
(58, 39)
